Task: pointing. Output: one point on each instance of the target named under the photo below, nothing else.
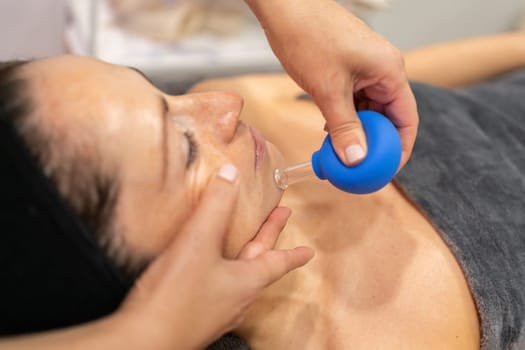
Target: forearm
(273, 14)
(265, 8)
(278, 16)
(466, 61)
(94, 335)
(114, 333)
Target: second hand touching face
(162, 149)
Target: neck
(306, 306)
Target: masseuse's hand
(191, 294)
(344, 66)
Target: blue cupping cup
(375, 171)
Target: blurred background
(177, 42)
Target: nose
(219, 112)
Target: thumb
(345, 128)
(211, 218)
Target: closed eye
(192, 148)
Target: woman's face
(162, 149)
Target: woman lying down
(432, 261)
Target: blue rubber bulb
(375, 171)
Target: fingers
(267, 235)
(403, 113)
(272, 265)
(265, 265)
(346, 131)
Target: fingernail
(354, 153)
(228, 172)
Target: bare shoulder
(262, 87)
(382, 278)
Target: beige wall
(30, 28)
(33, 28)
(412, 23)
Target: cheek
(199, 174)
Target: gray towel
(467, 173)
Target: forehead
(85, 91)
(100, 107)
(83, 80)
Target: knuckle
(345, 128)
(396, 56)
(253, 249)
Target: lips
(260, 147)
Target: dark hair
(91, 195)
(75, 173)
